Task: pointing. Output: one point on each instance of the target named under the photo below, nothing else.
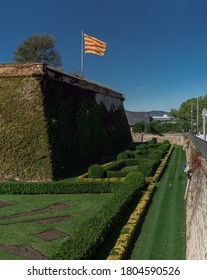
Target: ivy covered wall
(50, 128)
(24, 148)
(81, 131)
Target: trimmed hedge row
(146, 168)
(84, 243)
(114, 166)
(162, 165)
(115, 174)
(128, 231)
(58, 187)
(146, 156)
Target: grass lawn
(20, 230)
(163, 234)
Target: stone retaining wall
(174, 138)
(196, 210)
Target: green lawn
(162, 235)
(81, 207)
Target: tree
(38, 48)
(138, 127)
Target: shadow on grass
(110, 241)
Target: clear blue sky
(156, 53)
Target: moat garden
(130, 208)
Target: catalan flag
(93, 45)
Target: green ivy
(50, 130)
(24, 149)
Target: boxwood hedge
(96, 171)
(84, 243)
(57, 187)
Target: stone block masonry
(174, 138)
(53, 124)
(196, 209)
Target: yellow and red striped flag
(93, 45)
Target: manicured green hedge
(142, 146)
(115, 174)
(157, 152)
(135, 178)
(135, 161)
(138, 152)
(129, 153)
(58, 187)
(86, 240)
(122, 156)
(96, 171)
(146, 168)
(115, 166)
(141, 152)
(154, 155)
(128, 169)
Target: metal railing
(200, 144)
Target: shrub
(129, 153)
(161, 151)
(141, 152)
(115, 174)
(134, 161)
(114, 166)
(128, 231)
(142, 146)
(57, 187)
(154, 156)
(128, 169)
(147, 168)
(122, 156)
(164, 145)
(88, 238)
(167, 142)
(96, 171)
(153, 145)
(137, 152)
(150, 142)
(135, 178)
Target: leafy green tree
(38, 48)
(138, 127)
(186, 115)
(174, 113)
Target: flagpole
(82, 54)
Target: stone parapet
(15, 70)
(36, 69)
